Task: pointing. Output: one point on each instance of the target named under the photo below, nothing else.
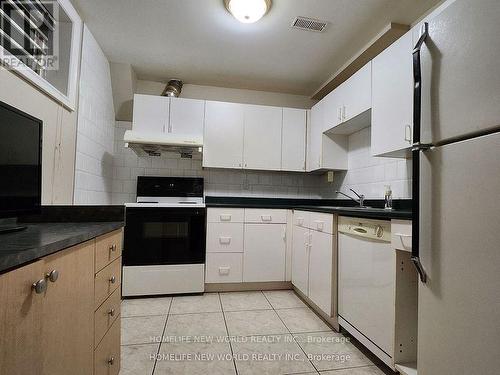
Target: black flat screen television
(20, 162)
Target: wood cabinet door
(151, 114)
(262, 147)
(300, 259)
(392, 98)
(264, 254)
(293, 153)
(68, 312)
(223, 140)
(21, 321)
(320, 270)
(187, 117)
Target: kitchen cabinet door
(320, 270)
(315, 139)
(264, 254)
(294, 140)
(332, 115)
(356, 93)
(300, 259)
(223, 140)
(187, 117)
(263, 126)
(68, 327)
(392, 99)
(21, 321)
(151, 114)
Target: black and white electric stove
(165, 237)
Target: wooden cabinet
(151, 114)
(293, 152)
(51, 330)
(67, 311)
(187, 117)
(264, 254)
(223, 140)
(262, 138)
(392, 99)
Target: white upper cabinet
(151, 114)
(333, 109)
(392, 99)
(315, 137)
(356, 93)
(224, 131)
(294, 140)
(262, 139)
(187, 117)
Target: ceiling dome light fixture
(248, 11)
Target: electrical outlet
(330, 177)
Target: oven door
(164, 236)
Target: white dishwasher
(367, 282)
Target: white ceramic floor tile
(302, 320)
(371, 370)
(142, 330)
(195, 359)
(331, 351)
(284, 299)
(145, 306)
(241, 301)
(208, 302)
(270, 355)
(195, 327)
(138, 359)
(258, 322)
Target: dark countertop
(42, 239)
(402, 208)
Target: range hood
(148, 144)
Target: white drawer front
(301, 218)
(224, 268)
(225, 237)
(401, 235)
(265, 216)
(321, 222)
(225, 215)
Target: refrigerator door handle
(418, 147)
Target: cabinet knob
(112, 279)
(111, 312)
(40, 286)
(52, 275)
(111, 361)
(112, 247)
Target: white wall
(218, 182)
(368, 175)
(96, 120)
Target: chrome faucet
(360, 200)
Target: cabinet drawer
(105, 316)
(225, 215)
(321, 222)
(401, 235)
(107, 249)
(107, 354)
(225, 237)
(301, 218)
(106, 281)
(264, 216)
(224, 268)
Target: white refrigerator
(456, 184)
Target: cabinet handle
(225, 217)
(113, 247)
(111, 361)
(112, 279)
(111, 312)
(339, 113)
(224, 240)
(40, 286)
(284, 233)
(266, 217)
(52, 275)
(320, 225)
(408, 133)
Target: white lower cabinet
(224, 268)
(313, 259)
(264, 254)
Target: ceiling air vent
(309, 24)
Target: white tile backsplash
(368, 175)
(94, 174)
